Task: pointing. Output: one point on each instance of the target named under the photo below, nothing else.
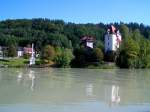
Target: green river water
(74, 90)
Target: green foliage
(17, 62)
(48, 53)
(99, 44)
(58, 40)
(26, 56)
(85, 57)
(124, 31)
(64, 58)
(129, 53)
(98, 54)
(136, 35)
(134, 51)
(144, 55)
(12, 51)
(44, 31)
(80, 59)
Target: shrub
(48, 53)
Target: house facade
(28, 50)
(87, 42)
(24, 50)
(20, 52)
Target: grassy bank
(14, 62)
(21, 62)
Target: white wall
(89, 44)
(20, 53)
(110, 42)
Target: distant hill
(56, 32)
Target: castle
(112, 39)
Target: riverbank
(13, 62)
(24, 63)
(104, 65)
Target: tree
(12, 51)
(136, 35)
(128, 54)
(144, 55)
(100, 44)
(48, 53)
(124, 31)
(79, 58)
(98, 54)
(64, 58)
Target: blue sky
(78, 11)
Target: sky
(78, 11)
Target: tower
(112, 39)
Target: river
(74, 90)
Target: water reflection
(115, 98)
(20, 77)
(89, 90)
(0, 75)
(100, 88)
(31, 76)
(25, 77)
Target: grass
(15, 62)
(22, 62)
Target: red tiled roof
(27, 50)
(87, 38)
(113, 29)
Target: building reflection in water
(112, 95)
(115, 97)
(24, 78)
(20, 77)
(31, 76)
(89, 90)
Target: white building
(20, 52)
(88, 42)
(112, 39)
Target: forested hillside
(134, 51)
(57, 32)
